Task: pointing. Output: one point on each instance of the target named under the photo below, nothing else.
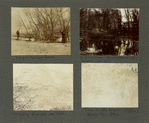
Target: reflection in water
(124, 47)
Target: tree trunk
(64, 37)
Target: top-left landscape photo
(40, 31)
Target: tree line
(110, 20)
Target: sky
(123, 14)
(14, 13)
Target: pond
(124, 47)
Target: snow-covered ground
(109, 85)
(24, 47)
(43, 86)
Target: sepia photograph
(47, 87)
(40, 31)
(109, 31)
(110, 85)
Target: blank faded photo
(40, 31)
(43, 87)
(110, 85)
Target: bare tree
(132, 16)
(83, 18)
(45, 23)
(64, 21)
(135, 16)
(100, 18)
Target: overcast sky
(123, 13)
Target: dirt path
(24, 47)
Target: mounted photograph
(47, 87)
(40, 31)
(109, 85)
(109, 31)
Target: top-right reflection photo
(109, 31)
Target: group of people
(128, 48)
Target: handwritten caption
(26, 114)
(108, 112)
(103, 112)
(102, 59)
(36, 57)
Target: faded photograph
(40, 31)
(109, 31)
(112, 85)
(43, 87)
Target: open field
(25, 47)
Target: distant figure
(17, 35)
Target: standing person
(64, 37)
(122, 49)
(17, 35)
